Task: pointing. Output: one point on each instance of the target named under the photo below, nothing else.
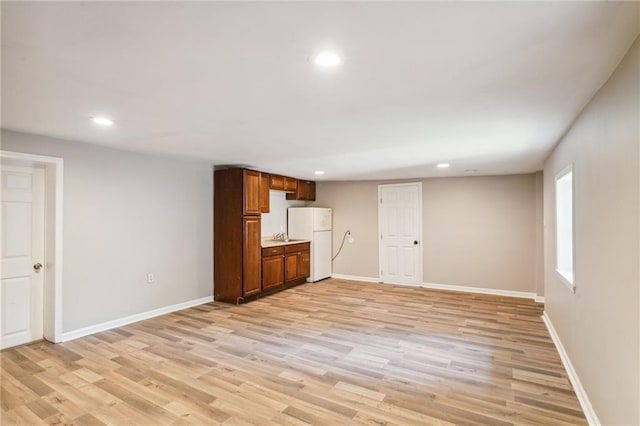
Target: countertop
(266, 242)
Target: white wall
(276, 220)
(126, 214)
(599, 325)
(477, 231)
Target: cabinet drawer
(297, 247)
(272, 251)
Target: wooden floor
(332, 353)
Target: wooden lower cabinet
(304, 264)
(297, 262)
(288, 264)
(272, 271)
(291, 266)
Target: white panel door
(400, 223)
(21, 253)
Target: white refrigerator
(313, 224)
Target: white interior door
(21, 253)
(400, 226)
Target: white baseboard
(479, 290)
(92, 329)
(355, 278)
(589, 413)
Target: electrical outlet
(151, 277)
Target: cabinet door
(251, 192)
(304, 264)
(311, 191)
(251, 256)
(272, 271)
(306, 191)
(277, 183)
(264, 192)
(290, 184)
(303, 190)
(291, 266)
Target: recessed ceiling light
(102, 121)
(443, 165)
(327, 59)
(319, 172)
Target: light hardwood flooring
(330, 353)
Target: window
(564, 226)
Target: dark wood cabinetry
(272, 267)
(252, 257)
(251, 191)
(304, 264)
(291, 266)
(236, 235)
(242, 268)
(290, 184)
(276, 182)
(283, 183)
(297, 262)
(265, 182)
(305, 191)
(288, 264)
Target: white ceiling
(487, 86)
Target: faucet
(280, 236)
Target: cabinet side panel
(227, 232)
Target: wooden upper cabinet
(251, 192)
(306, 191)
(251, 256)
(265, 183)
(290, 184)
(277, 182)
(283, 183)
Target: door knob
(415, 242)
(37, 266)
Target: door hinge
(381, 272)
(380, 200)
(380, 236)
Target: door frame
(420, 225)
(53, 188)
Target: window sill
(567, 279)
